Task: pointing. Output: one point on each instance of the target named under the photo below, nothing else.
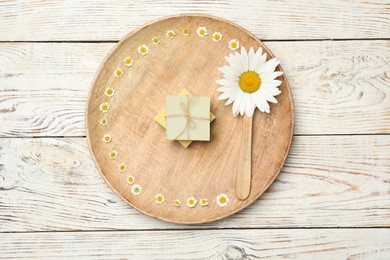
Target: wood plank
(339, 87)
(49, 184)
(267, 19)
(201, 244)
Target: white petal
(261, 62)
(226, 83)
(260, 102)
(224, 95)
(244, 58)
(269, 66)
(270, 76)
(233, 63)
(274, 91)
(251, 59)
(271, 83)
(236, 104)
(245, 100)
(229, 70)
(249, 109)
(267, 95)
(234, 95)
(237, 59)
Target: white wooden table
(331, 200)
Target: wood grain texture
(338, 87)
(244, 169)
(205, 169)
(49, 184)
(201, 244)
(267, 19)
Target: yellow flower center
(155, 40)
(186, 31)
(250, 81)
(159, 199)
(217, 37)
(109, 91)
(170, 34)
(113, 154)
(128, 61)
(122, 168)
(191, 201)
(130, 179)
(143, 50)
(107, 138)
(118, 72)
(222, 199)
(234, 45)
(104, 107)
(201, 32)
(104, 121)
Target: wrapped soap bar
(188, 118)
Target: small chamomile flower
(130, 179)
(113, 154)
(234, 44)
(109, 92)
(122, 167)
(128, 61)
(103, 121)
(104, 107)
(204, 202)
(217, 37)
(159, 198)
(186, 32)
(118, 73)
(222, 200)
(177, 203)
(155, 40)
(170, 34)
(107, 138)
(202, 31)
(191, 202)
(143, 50)
(136, 189)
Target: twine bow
(189, 119)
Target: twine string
(189, 119)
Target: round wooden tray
(204, 169)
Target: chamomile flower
(118, 73)
(186, 32)
(159, 198)
(177, 203)
(217, 37)
(202, 31)
(130, 179)
(136, 189)
(143, 50)
(113, 154)
(122, 167)
(155, 40)
(107, 138)
(222, 200)
(249, 82)
(109, 92)
(104, 107)
(204, 202)
(103, 121)
(170, 34)
(234, 44)
(191, 202)
(128, 61)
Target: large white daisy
(249, 82)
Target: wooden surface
(205, 169)
(331, 200)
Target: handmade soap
(188, 118)
(161, 118)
